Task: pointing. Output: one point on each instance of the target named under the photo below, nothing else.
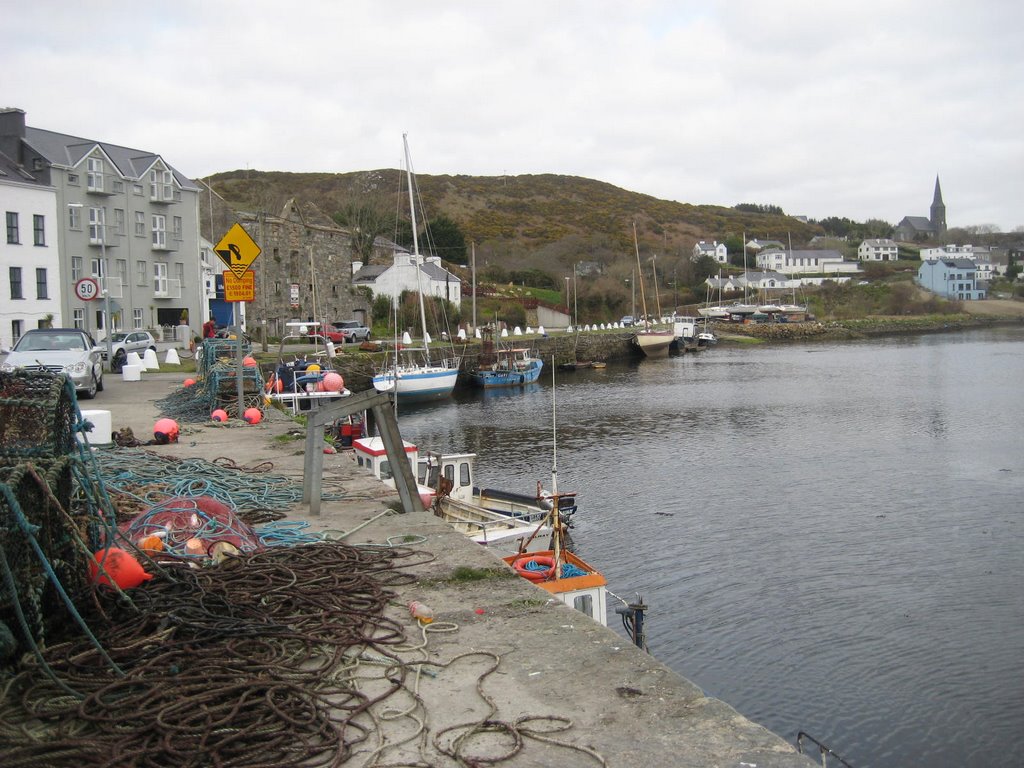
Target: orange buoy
(152, 543)
(219, 415)
(249, 361)
(188, 382)
(521, 567)
(119, 566)
(253, 415)
(165, 431)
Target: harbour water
(830, 536)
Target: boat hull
(418, 383)
(509, 377)
(655, 343)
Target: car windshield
(39, 342)
(118, 336)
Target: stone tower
(938, 210)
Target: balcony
(167, 289)
(164, 194)
(162, 243)
(103, 184)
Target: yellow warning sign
(240, 288)
(237, 250)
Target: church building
(915, 228)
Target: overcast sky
(823, 108)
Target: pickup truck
(353, 330)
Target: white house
(767, 281)
(754, 245)
(827, 262)
(874, 249)
(391, 281)
(30, 295)
(714, 249)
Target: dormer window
(94, 174)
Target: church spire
(938, 209)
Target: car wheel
(99, 383)
(90, 392)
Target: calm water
(831, 536)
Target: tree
(446, 240)
(365, 221)
(1013, 269)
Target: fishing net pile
(216, 384)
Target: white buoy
(518, 331)
(149, 361)
(504, 333)
(406, 338)
(541, 331)
(462, 334)
(133, 359)
(426, 337)
(172, 357)
(476, 333)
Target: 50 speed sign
(87, 289)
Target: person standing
(209, 329)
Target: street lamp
(102, 229)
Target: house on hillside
(756, 246)
(714, 249)
(767, 281)
(124, 217)
(409, 273)
(826, 262)
(951, 278)
(878, 250)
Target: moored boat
(510, 368)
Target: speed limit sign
(87, 289)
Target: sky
(834, 108)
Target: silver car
(60, 350)
(123, 343)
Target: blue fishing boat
(510, 368)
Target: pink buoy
(253, 415)
(188, 382)
(219, 415)
(119, 566)
(332, 382)
(165, 431)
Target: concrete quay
(621, 707)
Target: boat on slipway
(410, 373)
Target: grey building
(126, 217)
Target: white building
(825, 262)
(391, 281)
(878, 250)
(29, 255)
(127, 219)
(714, 249)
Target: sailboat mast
(556, 510)
(640, 273)
(416, 246)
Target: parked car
(626, 321)
(353, 330)
(123, 343)
(329, 332)
(60, 350)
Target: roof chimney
(12, 132)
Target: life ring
(521, 567)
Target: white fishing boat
(653, 342)
(445, 487)
(409, 372)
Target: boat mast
(556, 510)
(640, 273)
(416, 247)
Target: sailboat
(412, 375)
(652, 342)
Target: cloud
(823, 108)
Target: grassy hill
(514, 217)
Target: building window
(159, 231)
(12, 228)
(137, 189)
(179, 272)
(15, 331)
(73, 179)
(176, 227)
(96, 266)
(74, 217)
(119, 221)
(119, 187)
(121, 265)
(161, 185)
(584, 604)
(97, 235)
(140, 224)
(76, 268)
(141, 273)
(15, 276)
(39, 229)
(160, 278)
(41, 291)
(94, 174)
(137, 318)
(78, 317)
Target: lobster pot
(55, 531)
(38, 414)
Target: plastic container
(421, 612)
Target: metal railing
(825, 751)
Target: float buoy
(119, 566)
(535, 567)
(253, 415)
(165, 431)
(219, 415)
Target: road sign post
(238, 251)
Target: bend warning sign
(237, 250)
